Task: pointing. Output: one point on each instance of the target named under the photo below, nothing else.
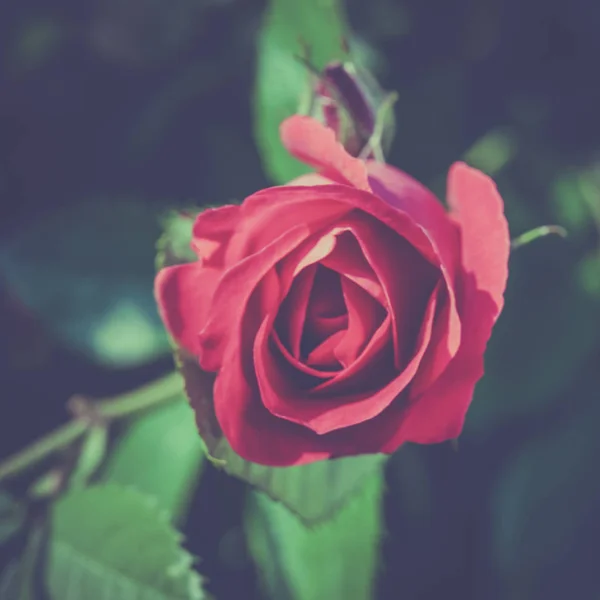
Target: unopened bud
(351, 103)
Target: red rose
(346, 312)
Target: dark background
(113, 110)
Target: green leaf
(282, 82)
(12, 517)
(91, 284)
(161, 455)
(337, 559)
(314, 492)
(113, 542)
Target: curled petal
(212, 231)
(316, 145)
(183, 294)
(230, 301)
(478, 210)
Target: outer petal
(316, 206)
(478, 210)
(316, 145)
(230, 300)
(268, 214)
(254, 433)
(184, 294)
(212, 231)
(439, 413)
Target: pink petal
(251, 430)
(230, 301)
(212, 231)
(316, 145)
(408, 195)
(323, 356)
(365, 316)
(184, 294)
(348, 260)
(268, 214)
(478, 210)
(292, 313)
(438, 413)
(406, 278)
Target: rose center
(326, 319)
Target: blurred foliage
(87, 273)
(313, 30)
(112, 112)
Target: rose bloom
(343, 313)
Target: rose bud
(350, 102)
(344, 313)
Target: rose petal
(254, 433)
(405, 193)
(441, 349)
(300, 366)
(323, 356)
(326, 313)
(292, 313)
(438, 414)
(278, 209)
(485, 242)
(212, 231)
(407, 280)
(183, 294)
(326, 415)
(372, 365)
(230, 301)
(348, 260)
(268, 214)
(316, 145)
(365, 316)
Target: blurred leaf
(527, 371)
(492, 152)
(87, 272)
(427, 512)
(545, 508)
(21, 579)
(12, 517)
(36, 43)
(336, 559)
(282, 82)
(112, 542)
(569, 200)
(557, 325)
(588, 274)
(161, 455)
(314, 492)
